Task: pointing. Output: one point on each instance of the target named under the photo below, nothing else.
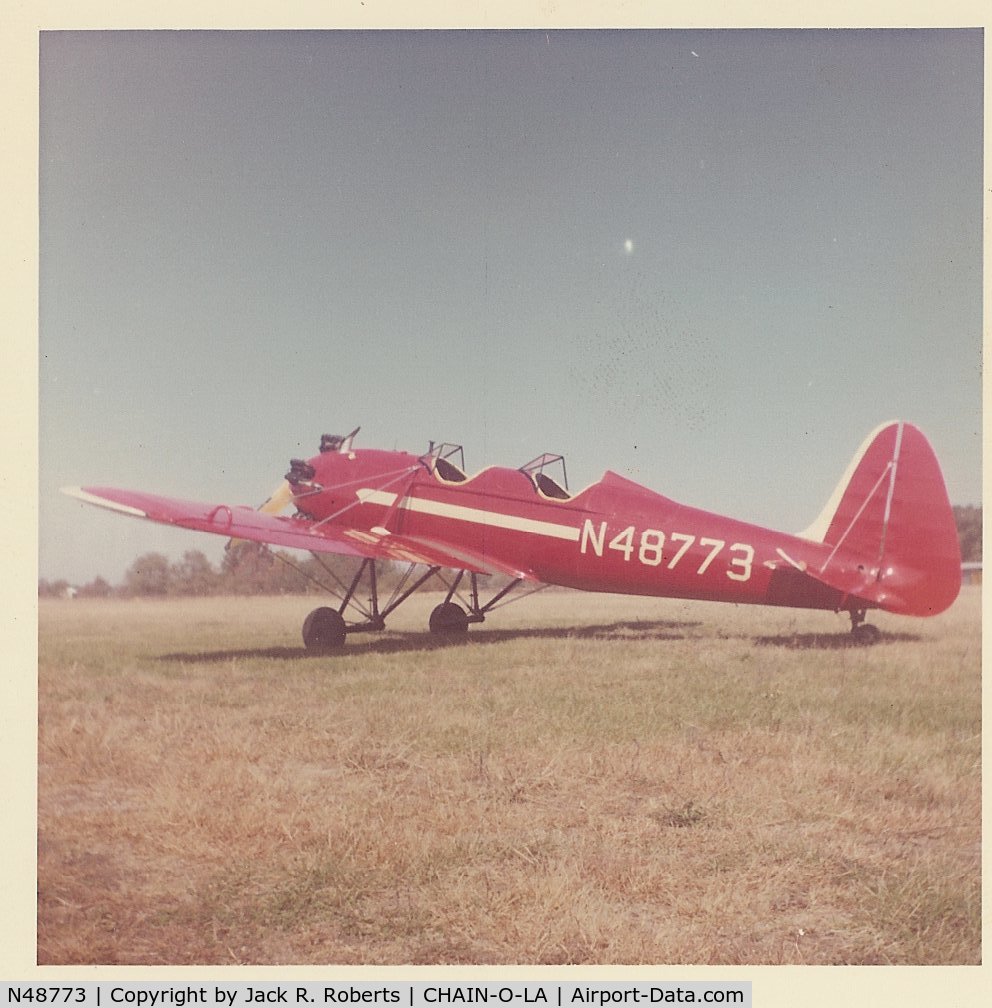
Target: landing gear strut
(326, 628)
(450, 619)
(862, 632)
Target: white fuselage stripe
(494, 519)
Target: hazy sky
(710, 260)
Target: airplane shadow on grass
(391, 642)
(829, 641)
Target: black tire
(450, 619)
(324, 630)
(866, 633)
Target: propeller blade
(277, 502)
(280, 499)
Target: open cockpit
(546, 472)
(438, 460)
(545, 484)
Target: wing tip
(79, 493)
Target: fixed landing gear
(326, 628)
(862, 632)
(449, 619)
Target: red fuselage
(613, 536)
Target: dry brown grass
(586, 780)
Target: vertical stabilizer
(891, 520)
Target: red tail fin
(890, 519)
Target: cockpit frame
(548, 486)
(438, 461)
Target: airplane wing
(243, 522)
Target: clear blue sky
(709, 260)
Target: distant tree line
(969, 522)
(247, 569)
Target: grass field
(584, 780)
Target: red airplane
(885, 540)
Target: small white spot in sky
(628, 246)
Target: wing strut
(476, 609)
(372, 617)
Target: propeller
(279, 499)
(275, 503)
(282, 496)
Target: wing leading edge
(243, 522)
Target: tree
(97, 588)
(250, 569)
(968, 519)
(193, 575)
(148, 575)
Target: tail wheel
(862, 632)
(449, 618)
(324, 630)
(865, 633)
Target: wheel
(865, 633)
(448, 618)
(323, 630)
